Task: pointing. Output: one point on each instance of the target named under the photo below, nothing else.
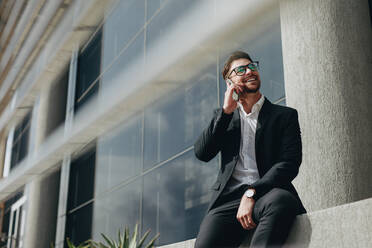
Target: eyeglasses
(241, 70)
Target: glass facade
(145, 170)
(20, 141)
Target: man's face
(250, 81)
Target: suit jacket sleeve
(286, 168)
(209, 143)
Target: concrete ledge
(348, 225)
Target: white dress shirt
(246, 171)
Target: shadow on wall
(299, 235)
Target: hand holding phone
(235, 95)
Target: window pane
(122, 24)
(117, 210)
(114, 71)
(176, 196)
(78, 225)
(81, 179)
(153, 6)
(88, 70)
(20, 141)
(174, 122)
(119, 155)
(160, 24)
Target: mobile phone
(235, 96)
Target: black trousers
(273, 213)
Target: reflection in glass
(117, 210)
(120, 29)
(176, 196)
(119, 155)
(114, 71)
(153, 6)
(172, 124)
(168, 15)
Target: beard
(248, 90)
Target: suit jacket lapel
(236, 128)
(236, 119)
(262, 120)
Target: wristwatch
(250, 193)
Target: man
(260, 145)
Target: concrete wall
(339, 227)
(327, 55)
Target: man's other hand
(245, 211)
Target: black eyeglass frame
(257, 64)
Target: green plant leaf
(151, 243)
(140, 243)
(133, 242)
(126, 237)
(125, 240)
(70, 244)
(100, 245)
(120, 240)
(108, 241)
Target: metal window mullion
(62, 201)
(16, 223)
(15, 209)
(71, 90)
(23, 221)
(142, 169)
(10, 228)
(32, 125)
(8, 152)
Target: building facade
(102, 100)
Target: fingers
(230, 87)
(247, 222)
(251, 222)
(229, 103)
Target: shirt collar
(255, 108)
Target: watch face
(249, 193)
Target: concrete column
(327, 53)
(41, 210)
(42, 192)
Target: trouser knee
(278, 202)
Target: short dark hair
(234, 56)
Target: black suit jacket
(278, 148)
